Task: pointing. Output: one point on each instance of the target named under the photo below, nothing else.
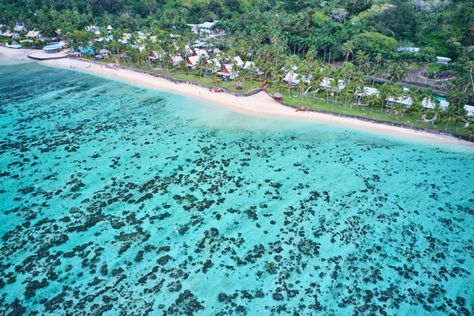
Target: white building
(406, 101)
(429, 103)
(326, 84)
(408, 49)
(443, 60)
(227, 72)
(175, 60)
(201, 52)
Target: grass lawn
(319, 103)
(313, 102)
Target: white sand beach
(260, 104)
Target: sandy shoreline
(259, 104)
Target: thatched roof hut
(278, 96)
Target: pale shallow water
(274, 216)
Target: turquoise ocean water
(120, 200)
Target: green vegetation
(354, 41)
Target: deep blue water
(116, 199)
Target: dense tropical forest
(357, 40)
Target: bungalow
(214, 64)
(291, 78)
(428, 103)
(193, 61)
(227, 72)
(237, 60)
(364, 93)
(19, 27)
(406, 101)
(33, 34)
(176, 60)
(7, 33)
(443, 60)
(201, 52)
(326, 84)
(154, 55)
(470, 110)
(110, 28)
(250, 66)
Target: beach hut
(406, 101)
(175, 60)
(443, 60)
(19, 27)
(237, 60)
(429, 103)
(291, 78)
(364, 93)
(201, 52)
(192, 61)
(327, 84)
(7, 34)
(278, 96)
(469, 110)
(154, 56)
(33, 34)
(215, 64)
(227, 72)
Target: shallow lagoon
(274, 216)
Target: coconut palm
(347, 48)
(398, 71)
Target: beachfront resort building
(364, 93)
(214, 64)
(176, 60)
(54, 48)
(291, 78)
(405, 101)
(33, 35)
(192, 61)
(430, 103)
(227, 72)
(201, 53)
(329, 85)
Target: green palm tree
(398, 71)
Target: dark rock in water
(164, 260)
(461, 301)
(33, 285)
(185, 304)
(308, 247)
(175, 286)
(277, 296)
(271, 267)
(207, 265)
